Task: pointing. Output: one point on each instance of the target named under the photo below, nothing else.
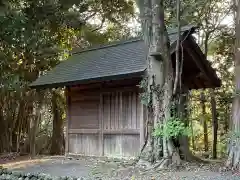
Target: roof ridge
(110, 44)
(130, 40)
(183, 29)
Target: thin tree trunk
(204, 120)
(178, 73)
(227, 119)
(214, 124)
(192, 138)
(203, 101)
(57, 136)
(34, 124)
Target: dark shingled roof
(123, 58)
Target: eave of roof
(93, 80)
(85, 68)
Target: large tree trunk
(165, 82)
(161, 85)
(214, 124)
(160, 78)
(157, 66)
(146, 17)
(234, 145)
(57, 136)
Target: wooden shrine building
(104, 114)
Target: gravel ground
(95, 168)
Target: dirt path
(93, 168)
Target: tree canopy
(36, 35)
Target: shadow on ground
(96, 168)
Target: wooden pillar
(67, 96)
(121, 118)
(142, 125)
(101, 126)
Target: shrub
(174, 127)
(9, 175)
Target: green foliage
(174, 127)
(236, 93)
(233, 136)
(7, 174)
(35, 35)
(145, 96)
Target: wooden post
(101, 126)
(142, 125)
(67, 90)
(121, 118)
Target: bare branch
(177, 49)
(100, 27)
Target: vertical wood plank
(124, 111)
(107, 111)
(134, 111)
(76, 144)
(129, 110)
(138, 102)
(101, 145)
(116, 111)
(68, 115)
(120, 119)
(142, 124)
(120, 114)
(112, 111)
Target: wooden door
(84, 124)
(121, 127)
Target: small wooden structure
(104, 114)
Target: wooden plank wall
(121, 113)
(120, 110)
(84, 123)
(105, 122)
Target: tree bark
(233, 161)
(34, 124)
(160, 81)
(157, 67)
(214, 124)
(57, 135)
(227, 119)
(147, 149)
(192, 138)
(169, 150)
(204, 121)
(203, 100)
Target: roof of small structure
(116, 60)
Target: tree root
(163, 164)
(192, 158)
(167, 162)
(233, 161)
